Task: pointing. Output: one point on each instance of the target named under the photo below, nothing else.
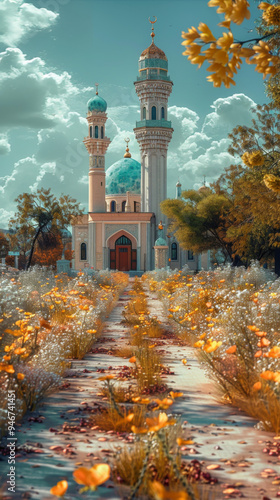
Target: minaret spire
(96, 88)
(153, 31)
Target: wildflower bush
(46, 321)
(232, 316)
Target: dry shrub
(124, 352)
(147, 371)
(121, 393)
(263, 406)
(109, 419)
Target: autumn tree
(40, 214)
(198, 220)
(253, 222)
(225, 54)
(4, 245)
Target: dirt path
(221, 436)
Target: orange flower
(271, 376)
(45, 324)
(260, 334)
(231, 350)
(60, 489)
(20, 350)
(257, 386)
(163, 403)
(264, 342)
(253, 328)
(212, 345)
(6, 368)
(107, 377)
(93, 477)
(258, 354)
(184, 361)
(183, 442)
(273, 353)
(175, 394)
(160, 493)
(20, 376)
(154, 424)
(132, 360)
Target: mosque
(124, 228)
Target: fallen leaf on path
(213, 467)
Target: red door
(123, 257)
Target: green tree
(253, 223)
(198, 220)
(39, 214)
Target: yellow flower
(160, 493)
(163, 403)
(60, 489)
(107, 377)
(199, 343)
(272, 15)
(190, 36)
(175, 394)
(206, 35)
(211, 346)
(184, 442)
(272, 182)
(93, 477)
(6, 368)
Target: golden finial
(153, 22)
(96, 88)
(127, 154)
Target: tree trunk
(32, 248)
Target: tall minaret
(97, 144)
(153, 132)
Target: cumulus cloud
(5, 147)
(31, 96)
(19, 19)
(60, 161)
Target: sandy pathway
(222, 436)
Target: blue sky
(52, 53)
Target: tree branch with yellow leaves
(225, 54)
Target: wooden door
(123, 257)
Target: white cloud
(19, 19)
(5, 147)
(31, 96)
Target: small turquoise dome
(160, 242)
(97, 103)
(123, 176)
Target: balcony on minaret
(154, 123)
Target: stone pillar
(161, 256)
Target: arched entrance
(123, 257)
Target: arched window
(154, 113)
(90, 131)
(102, 132)
(162, 113)
(144, 113)
(96, 132)
(123, 206)
(113, 206)
(174, 251)
(123, 240)
(83, 251)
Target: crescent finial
(153, 22)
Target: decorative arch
(113, 206)
(144, 113)
(153, 113)
(122, 251)
(123, 205)
(90, 131)
(162, 113)
(102, 132)
(96, 132)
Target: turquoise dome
(97, 103)
(160, 242)
(123, 176)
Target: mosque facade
(124, 228)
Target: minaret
(153, 132)
(178, 190)
(97, 144)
